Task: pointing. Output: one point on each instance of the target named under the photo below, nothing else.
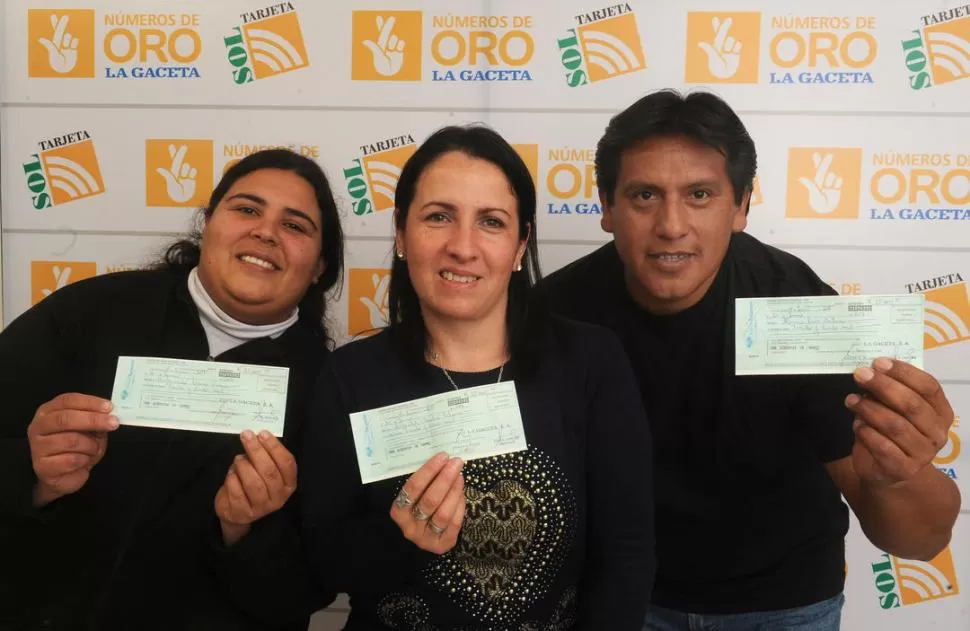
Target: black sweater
(557, 537)
(132, 548)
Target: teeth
(672, 258)
(458, 279)
(255, 261)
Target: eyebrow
(454, 208)
(256, 199)
(710, 182)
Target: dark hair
(701, 116)
(185, 253)
(476, 141)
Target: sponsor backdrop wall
(118, 117)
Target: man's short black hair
(700, 116)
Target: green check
(825, 334)
(469, 423)
(202, 396)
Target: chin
(457, 312)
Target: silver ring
(436, 529)
(419, 514)
(402, 499)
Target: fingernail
(456, 464)
(852, 399)
(264, 436)
(113, 422)
(106, 406)
(440, 457)
(856, 424)
(248, 435)
(882, 364)
(864, 374)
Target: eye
(701, 194)
(436, 217)
(295, 227)
(248, 210)
(493, 222)
(643, 195)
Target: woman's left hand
(259, 483)
(430, 508)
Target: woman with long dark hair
(109, 527)
(558, 536)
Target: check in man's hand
(901, 423)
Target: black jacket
(748, 518)
(134, 548)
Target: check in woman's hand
(430, 508)
(258, 483)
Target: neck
(242, 317)
(217, 313)
(467, 346)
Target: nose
(672, 221)
(461, 241)
(266, 231)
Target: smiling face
(261, 246)
(461, 239)
(672, 219)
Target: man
(749, 470)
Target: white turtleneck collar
(224, 332)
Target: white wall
(332, 103)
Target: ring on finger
(419, 514)
(402, 499)
(436, 529)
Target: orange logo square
(920, 581)
(276, 45)
(60, 43)
(947, 313)
(367, 309)
(723, 47)
(530, 155)
(824, 182)
(178, 173)
(948, 45)
(756, 197)
(46, 277)
(612, 47)
(386, 46)
(73, 171)
(383, 170)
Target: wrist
(43, 494)
(233, 533)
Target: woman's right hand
(68, 437)
(430, 508)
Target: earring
(400, 256)
(518, 267)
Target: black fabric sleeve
(349, 548)
(265, 573)
(35, 354)
(621, 562)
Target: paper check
(469, 423)
(199, 395)
(826, 334)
